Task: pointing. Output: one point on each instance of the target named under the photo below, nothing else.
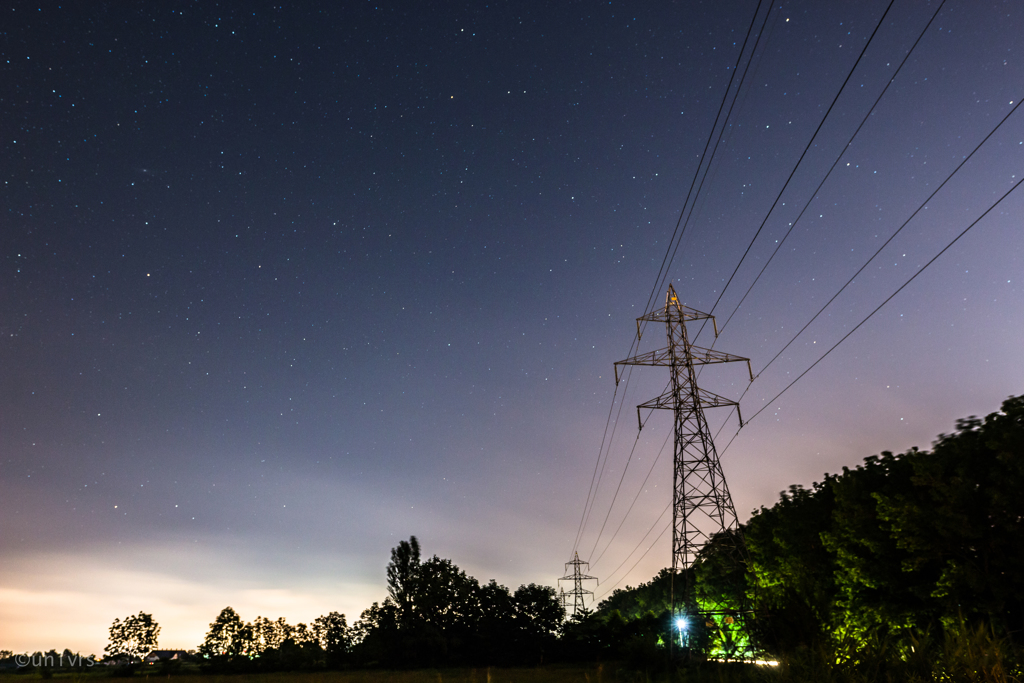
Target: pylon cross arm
(698, 356)
(702, 356)
(669, 401)
(673, 313)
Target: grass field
(595, 673)
(549, 674)
(488, 675)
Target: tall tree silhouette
(403, 574)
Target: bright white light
(681, 624)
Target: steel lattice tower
(576, 595)
(701, 503)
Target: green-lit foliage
(873, 593)
(908, 567)
(791, 579)
(960, 522)
(899, 544)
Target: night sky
(283, 286)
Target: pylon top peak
(673, 311)
(670, 295)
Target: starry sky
(283, 285)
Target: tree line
(435, 615)
(907, 560)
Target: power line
(666, 262)
(834, 164)
(660, 280)
(891, 237)
(700, 201)
(588, 505)
(872, 258)
(615, 571)
(635, 498)
(600, 475)
(888, 299)
(814, 194)
(798, 161)
(611, 505)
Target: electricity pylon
(576, 595)
(701, 504)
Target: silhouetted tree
(375, 636)
(134, 637)
(632, 603)
(437, 615)
(538, 614)
(265, 636)
(227, 637)
(402, 573)
(334, 636)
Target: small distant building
(157, 656)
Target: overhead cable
(797, 165)
(834, 164)
(889, 298)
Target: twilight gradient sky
(282, 286)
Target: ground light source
(681, 627)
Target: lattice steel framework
(701, 503)
(576, 575)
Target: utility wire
(814, 194)
(597, 464)
(880, 306)
(657, 538)
(798, 161)
(891, 237)
(873, 256)
(756, 60)
(889, 298)
(666, 261)
(588, 505)
(660, 280)
(670, 252)
(591, 501)
(868, 262)
(834, 164)
(809, 200)
(611, 506)
(635, 498)
(775, 203)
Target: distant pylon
(701, 504)
(577, 594)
